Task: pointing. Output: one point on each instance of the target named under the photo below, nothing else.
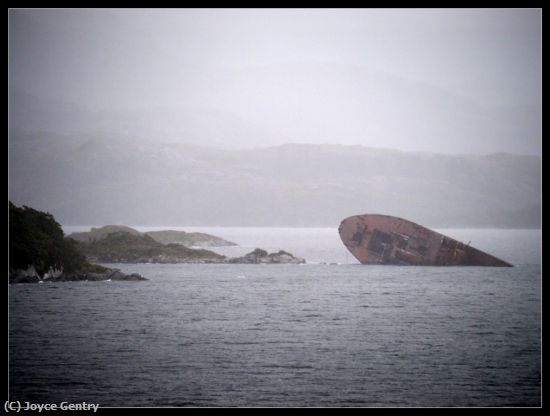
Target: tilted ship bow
(383, 239)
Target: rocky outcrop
(259, 256)
(109, 274)
(30, 276)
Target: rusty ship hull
(383, 239)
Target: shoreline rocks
(27, 276)
(96, 273)
(159, 259)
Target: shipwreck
(383, 239)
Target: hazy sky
(124, 59)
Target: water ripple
(194, 335)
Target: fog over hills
(103, 181)
(276, 117)
(233, 164)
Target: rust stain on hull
(383, 239)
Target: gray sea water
(334, 334)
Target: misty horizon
(447, 81)
(277, 117)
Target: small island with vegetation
(124, 247)
(39, 251)
(123, 244)
(183, 238)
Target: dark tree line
(36, 238)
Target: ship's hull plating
(383, 239)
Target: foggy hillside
(96, 181)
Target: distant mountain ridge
(215, 157)
(102, 181)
